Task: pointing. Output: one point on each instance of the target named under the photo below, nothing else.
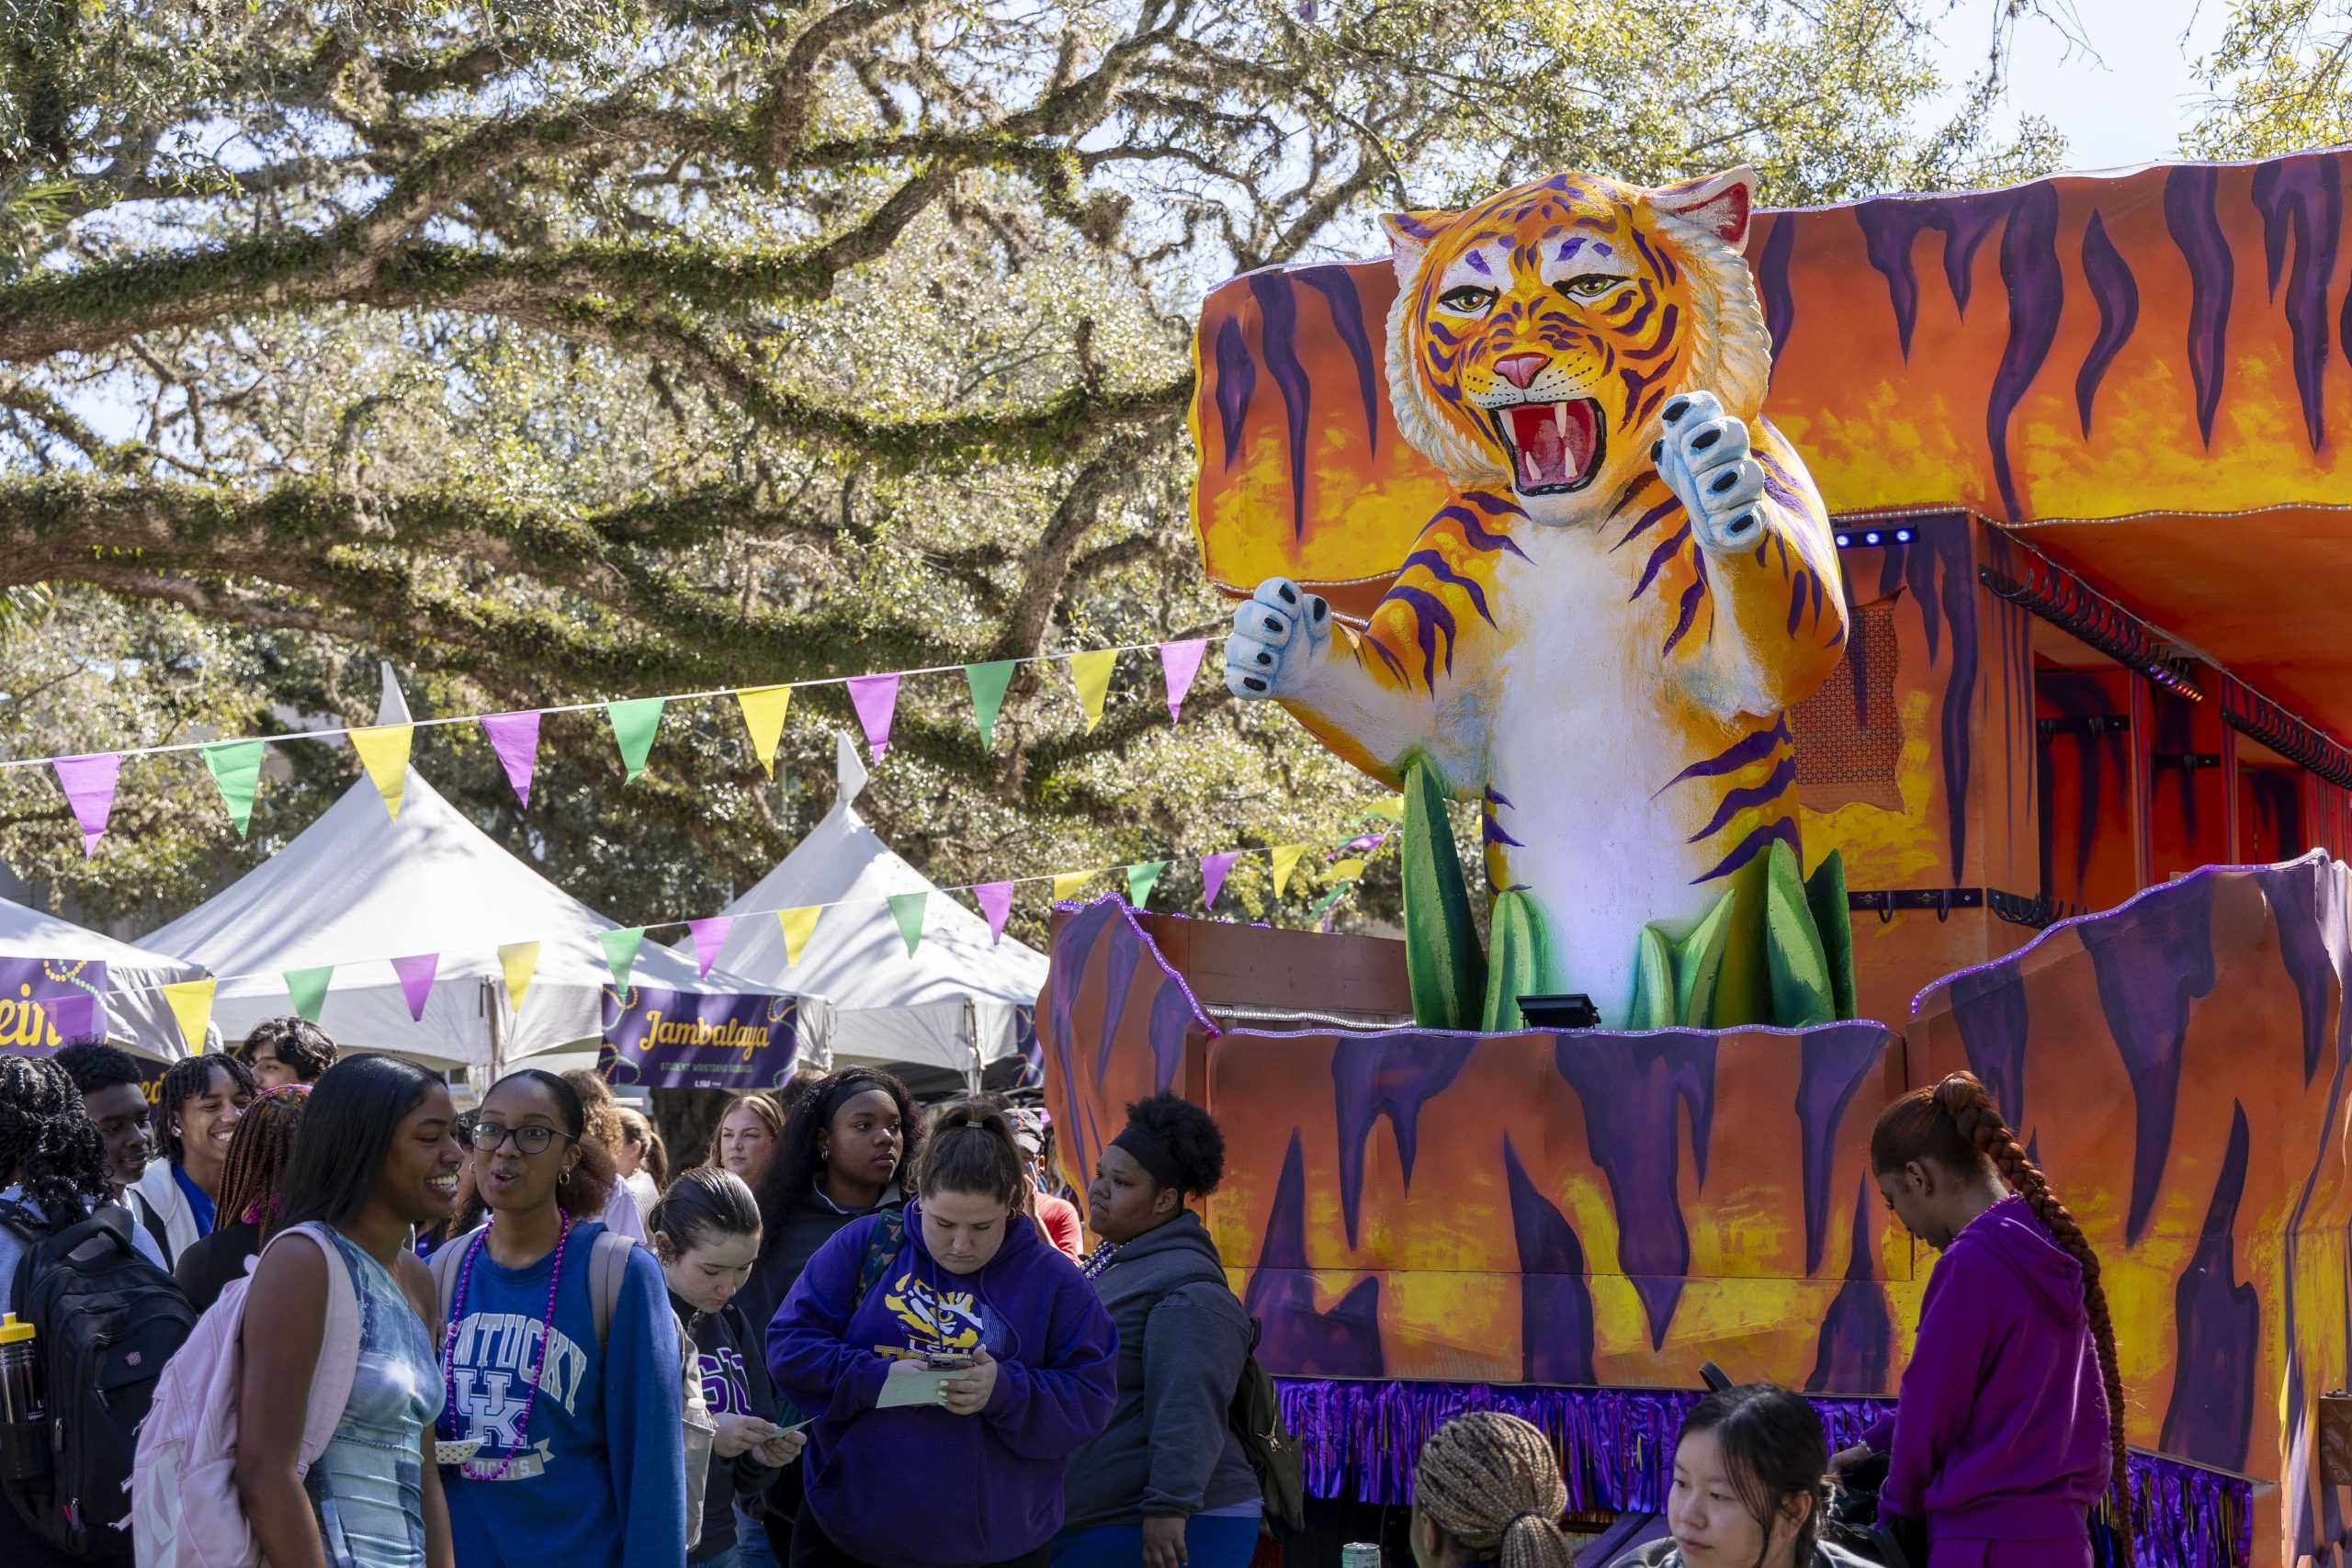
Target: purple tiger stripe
(1773, 786)
(2301, 197)
(1659, 557)
(1666, 322)
(1689, 605)
(1436, 565)
(1396, 665)
(1237, 379)
(1779, 483)
(2118, 296)
(1796, 603)
(1475, 534)
(2197, 233)
(1494, 505)
(1756, 841)
(1497, 798)
(1434, 620)
(1490, 832)
(1773, 285)
(2037, 292)
(1640, 318)
(1347, 315)
(1633, 487)
(1278, 315)
(1753, 747)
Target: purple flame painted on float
(2116, 295)
(2037, 299)
(2302, 199)
(2196, 232)
(1347, 318)
(2217, 1330)
(1556, 1326)
(1343, 1342)
(1391, 1075)
(1278, 321)
(1857, 1336)
(1838, 1060)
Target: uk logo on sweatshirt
(490, 1376)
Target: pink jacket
(184, 1507)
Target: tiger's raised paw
(1703, 456)
(1277, 638)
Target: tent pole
(972, 1039)
(497, 1043)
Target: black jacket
(734, 1383)
(1169, 1448)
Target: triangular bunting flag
(73, 1018)
(191, 1004)
(1179, 661)
(987, 683)
(520, 960)
(709, 935)
(417, 980)
(996, 902)
(907, 909)
(1091, 673)
(1391, 807)
(1346, 869)
(515, 737)
(1142, 878)
(307, 989)
(876, 698)
(1286, 862)
(633, 723)
(236, 770)
(620, 953)
(764, 710)
(1214, 869)
(88, 782)
(797, 926)
(1323, 905)
(383, 751)
(1067, 884)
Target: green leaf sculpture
(1516, 965)
(1443, 967)
(1803, 995)
(1825, 895)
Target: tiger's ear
(1720, 204)
(1411, 235)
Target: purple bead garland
(538, 1365)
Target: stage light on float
(1872, 537)
(1568, 1009)
(1845, 541)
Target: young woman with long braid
(2010, 1425)
(1486, 1489)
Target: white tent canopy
(357, 889)
(955, 1003)
(137, 1016)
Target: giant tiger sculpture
(1596, 636)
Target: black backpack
(104, 1322)
(1272, 1450)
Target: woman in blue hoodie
(2009, 1427)
(964, 1279)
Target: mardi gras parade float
(1879, 640)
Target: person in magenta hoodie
(2008, 1429)
(964, 1278)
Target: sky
(2129, 102)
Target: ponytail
(1957, 1125)
(970, 1149)
(1491, 1483)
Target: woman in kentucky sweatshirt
(580, 1462)
(2008, 1429)
(975, 1477)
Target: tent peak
(849, 772)
(392, 707)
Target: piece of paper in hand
(919, 1388)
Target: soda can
(1360, 1554)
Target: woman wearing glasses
(579, 1461)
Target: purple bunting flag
(417, 980)
(875, 697)
(515, 737)
(710, 936)
(996, 903)
(75, 1017)
(1213, 872)
(88, 784)
(1179, 661)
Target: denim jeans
(751, 1549)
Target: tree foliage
(2281, 78)
(562, 351)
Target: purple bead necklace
(538, 1364)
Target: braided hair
(47, 1145)
(1957, 1125)
(253, 1180)
(1491, 1483)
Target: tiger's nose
(1519, 370)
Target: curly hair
(48, 1145)
(297, 1042)
(596, 1103)
(94, 1066)
(252, 1181)
(1957, 1125)
(1774, 1447)
(191, 1078)
(1194, 1143)
(792, 1175)
(1492, 1482)
(584, 1194)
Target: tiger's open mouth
(1554, 447)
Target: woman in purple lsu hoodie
(2009, 1427)
(976, 1479)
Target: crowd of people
(394, 1335)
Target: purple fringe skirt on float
(1358, 1439)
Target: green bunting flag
(236, 769)
(987, 683)
(633, 723)
(307, 988)
(1142, 878)
(907, 909)
(620, 953)
(1323, 905)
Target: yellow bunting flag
(519, 959)
(763, 711)
(1345, 869)
(1067, 884)
(796, 925)
(1391, 807)
(1286, 862)
(1091, 671)
(384, 750)
(191, 1003)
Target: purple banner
(685, 1040)
(49, 1002)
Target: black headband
(1149, 1150)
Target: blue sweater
(911, 1488)
(602, 1482)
